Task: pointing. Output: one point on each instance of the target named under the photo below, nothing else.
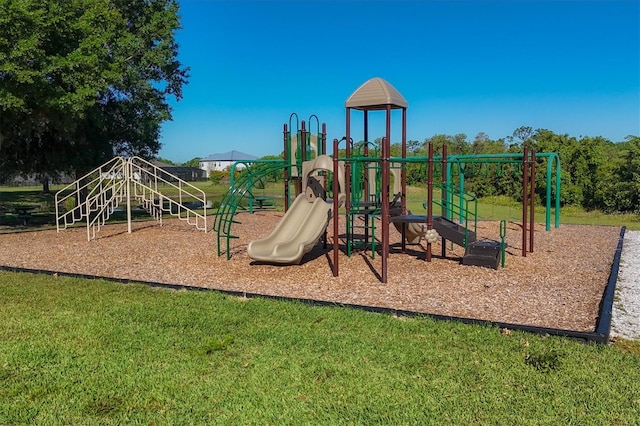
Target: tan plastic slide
(296, 234)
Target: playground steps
(453, 232)
(483, 253)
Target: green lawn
(74, 351)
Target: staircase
(477, 252)
(149, 186)
(464, 206)
(454, 232)
(483, 253)
(126, 181)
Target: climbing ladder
(361, 220)
(123, 181)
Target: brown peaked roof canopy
(376, 94)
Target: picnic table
(24, 212)
(263, 202)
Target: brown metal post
(303, 142)
(384, 164)
(385, 195)
(525, 186)
(532, 193)
(444, 195)
(429, 197)
(287, 153)
(403, 172)
(366, 154)
(324, 139)
(335, 207)
(365, 123)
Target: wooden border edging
(603, 325)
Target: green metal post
(558, 177)
(503, 234)
(460, 217)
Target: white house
(222, 161)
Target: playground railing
(457, 204)
(241, 186)
(120, 180)
(148, 183)
(87, 188)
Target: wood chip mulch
(559, 285)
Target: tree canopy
(83, 80)
(596, 173)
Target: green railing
(462, 206)
(239, 189)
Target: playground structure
(305, 221)
(300, 146)
(128, 182)
(368, 170)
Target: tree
(194, 162)
(85, 79)
(165, 161)
(522, 136)
(456, 144)
(626, 190)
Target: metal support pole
(429, 198)
(335, 207)
(385, 195)
(532, 196)
(403, 172)
(444, 195)
(525, 186)
(287, 159)
(303, 146)
(385, 207)
(127, 176)
(558, 179)
(347, 169)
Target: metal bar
(429, 198)
(443, 194)
(532, 202)
(525, 185)
(335, 207)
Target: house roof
(375, 94)
(230, 156)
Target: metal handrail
(110, 184)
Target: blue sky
(463, 66)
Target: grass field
(74, 351)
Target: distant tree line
(597, 174)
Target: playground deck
(560, 285)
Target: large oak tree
(83, 80)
